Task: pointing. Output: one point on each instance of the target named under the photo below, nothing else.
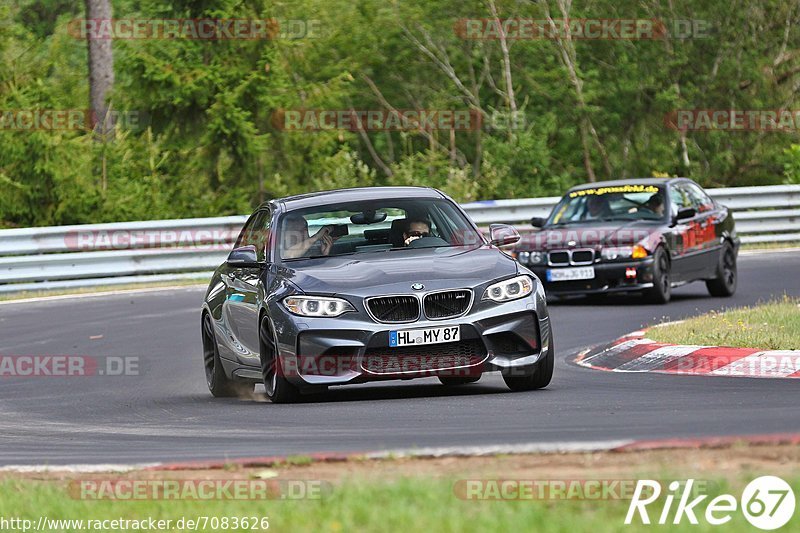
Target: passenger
(296, 242)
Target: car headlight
(530, 258)
(536, 258)
(623, 252)
(510, 289)
(317, 306)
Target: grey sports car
(369, 284)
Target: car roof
(301, 201)
(630, 181)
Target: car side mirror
(243, 256)
(503, 234)
(685, 213)
(538, 222)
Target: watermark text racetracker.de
(520, 29)
(67, 119)
(132, 238)
(733, 120)
(61, 366)
(203, 29)
(128, 489)
(552, 489)
(370, 120)
(195, 523)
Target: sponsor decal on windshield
(616, 189)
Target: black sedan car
(371, 284)
(646, 235)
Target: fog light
(630, 273)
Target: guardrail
(131, 252)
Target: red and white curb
(636, 353)
(613, 446)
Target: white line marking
(449, 451)
(101, 294)
(77, 468)
(510, 449)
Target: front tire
(724, 284)
(278, 389)
(538, 380)
(220, 385)
(662, 281)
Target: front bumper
(609, 277)
(352, 348)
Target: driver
(297, 243)
(597, 207)
(416, 229)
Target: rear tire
(220, 385)
(662, 282)
(452, 381)
(538, 380)
(724, 284)
(277, 387)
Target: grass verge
(420, 494)
(773, 325)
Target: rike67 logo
(767, 502)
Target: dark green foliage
(205, 143)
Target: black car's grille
(582, 256)
(559, 258)
(394, 308)
(447, 304)
(425, 358)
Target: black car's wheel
(276, 386)
(220, 385)
(662, 281)
(458, 380)
(538, 380)
(725, 282)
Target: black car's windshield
(623, 202)
(373, 226)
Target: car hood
(394, 272)
(591, 235)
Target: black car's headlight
(623, 252)
(510, 289)
(531, 258)
(317, 306)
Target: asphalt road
(166, 413)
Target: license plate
(416, 337)
(569, 274)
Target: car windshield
(624, 202)
(373, 226)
